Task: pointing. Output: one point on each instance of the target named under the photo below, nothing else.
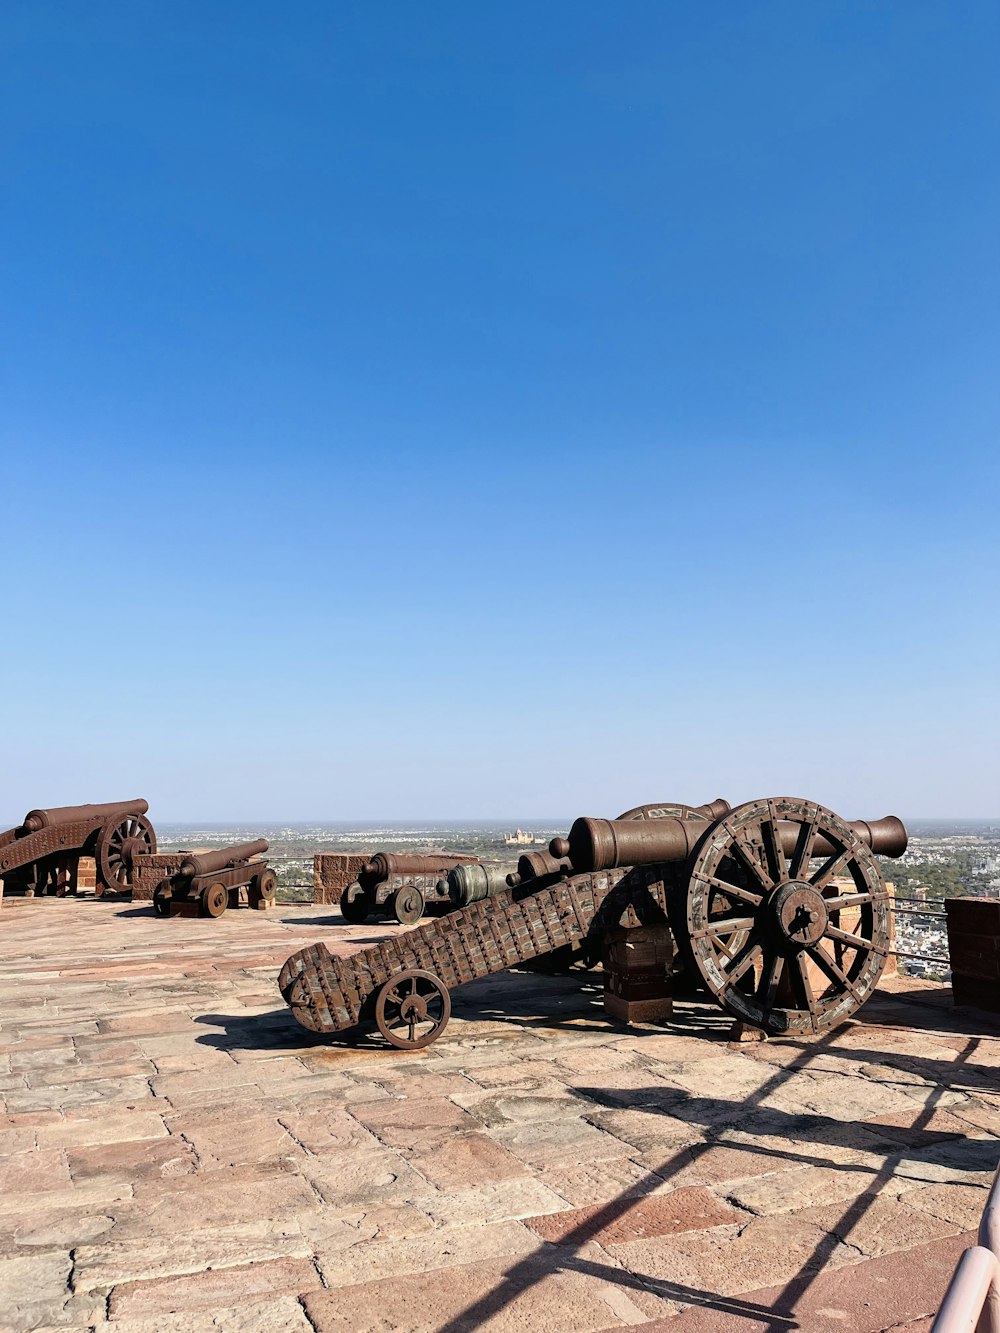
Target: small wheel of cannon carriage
(161, 898)
(408, 905)
(777, 937)
(122, 839)
(412, 1009)
(262, 888)
(355, 904)
(214, 899)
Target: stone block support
(638, 967)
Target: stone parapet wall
(151, 870)
(333, 871)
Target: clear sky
(499, 409)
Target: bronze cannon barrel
(385, 864)
(533, 865)
(470, 883)
(606, 844)
(205, 863)
(35, 820)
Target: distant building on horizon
(520, 838)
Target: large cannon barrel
(385, 864)
(606, 844)
(469, 883)
(205, 863)
(36, 820)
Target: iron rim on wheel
(215, 899)
(119, 843)
(778, 942)
(412, 1009)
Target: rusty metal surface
(43, 852)
(35, 820)
(602, 844)
(207, 883)
(401, 885)
(413, 1009)
(777, 940)
(327, 994)
(753, 896)
(204, 863)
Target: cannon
(42, 854)
(206, 883)
(401, 885)
(470, 883)
(779, 905)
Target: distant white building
(519, 838)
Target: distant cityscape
(945, 858)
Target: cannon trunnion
(778, 907)
(42, 854)
(206, 883)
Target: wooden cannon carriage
(206, 883)
(399, 885)
(42, 854)
(779, 906)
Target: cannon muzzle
(206, 863)
(533, 865)
(607, 844)
(35, 820)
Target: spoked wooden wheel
(412, 1009)
(787, 915)
(122, 839)
(214, 899)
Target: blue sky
(457, 410)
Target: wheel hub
(413, 1007)
(800, 913)
(132, 849)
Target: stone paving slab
(177, 1155)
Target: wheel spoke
(854, 900)
(743, 959)
(733, 891)
(748, 856)
(769, 979)
(773, 848)
(832, 970)
(723, 926)
(853, 941)
(832, 867)
(802, 972)
(803, 850)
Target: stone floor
(178, 1155)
